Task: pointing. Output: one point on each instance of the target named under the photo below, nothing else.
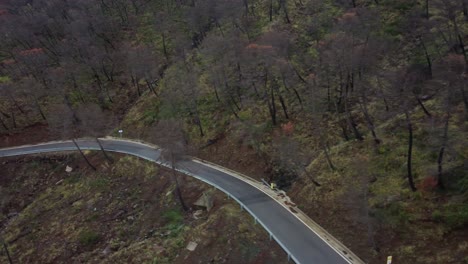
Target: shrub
(88, 238)
(394, 215)
(173, 217)
(453, 216)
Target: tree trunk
(198, 123)
(40, 109)
(216, 92)
(427, 9)
(7, 253)
(283, 105)
(440, 159)
(83, 155)
(428, 59)
(327, 156)
(233, 100)
(150, 86)
(272, 107)
(101, 85)
(3, 124)
(285, 10)
(283, 78)
(104, 152)
(271, 11)
(177, 193)
(316, 183)
(423, 107)
(410, 151)
(69, 105)
(13, 119)
(381, 92)
(16, 104)
(233, 111)
(246, 5)
(370, 123)
(166, 55)
(465, 9)
(344, 130)
(270, 101)
(465, 101)
(351, 122)
(460, 41)
(136, 84)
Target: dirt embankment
(125, 212)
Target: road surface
(301, 243)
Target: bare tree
(5, 247)
(409, 161)
(62, 124)
(168, 134)
(93, 121)
(289, 154)
(181, 98)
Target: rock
(68, 169)
(192, 246)
(206, 201)
(197, 214)
(106, 251)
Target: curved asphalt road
(294, 236)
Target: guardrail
(243, 206)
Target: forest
(358, 109)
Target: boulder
(205, 201)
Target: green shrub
(88, 238)
(437, 216)
(175, 221)
(457, 216)
(99, 183)
(394, 215)
(4, 79)
(173, 216)
(453, 216)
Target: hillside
(124, 213)
(357, 109)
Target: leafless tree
(62, 124)
(289, 154)
(168, 134)
(94, 122)
(5, 248)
